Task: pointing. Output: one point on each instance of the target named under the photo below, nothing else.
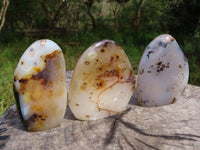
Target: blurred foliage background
(76, 24)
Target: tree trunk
(52, 14)
(93, 20)
(3, 13)
(138, 15)
(174, 127)
(89, 4)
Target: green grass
(6, 96)
(8, 59)
(11, 53)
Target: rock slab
(174, 127)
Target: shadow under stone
(3, 140)
(133, 100)
(12, 118)
(68, 114)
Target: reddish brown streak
(130, 79)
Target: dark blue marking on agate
(162, 44)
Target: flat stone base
(174, 127)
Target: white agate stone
(102, 82)
(40, 87)
(163, 72)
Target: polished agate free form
(40, 87)
(102, 82)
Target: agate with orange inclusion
(39, 86)
(102, 82)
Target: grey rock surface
(173, 127)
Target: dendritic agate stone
(40, 87)
(163, 72)
(102, 83)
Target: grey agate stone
(163, 72)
